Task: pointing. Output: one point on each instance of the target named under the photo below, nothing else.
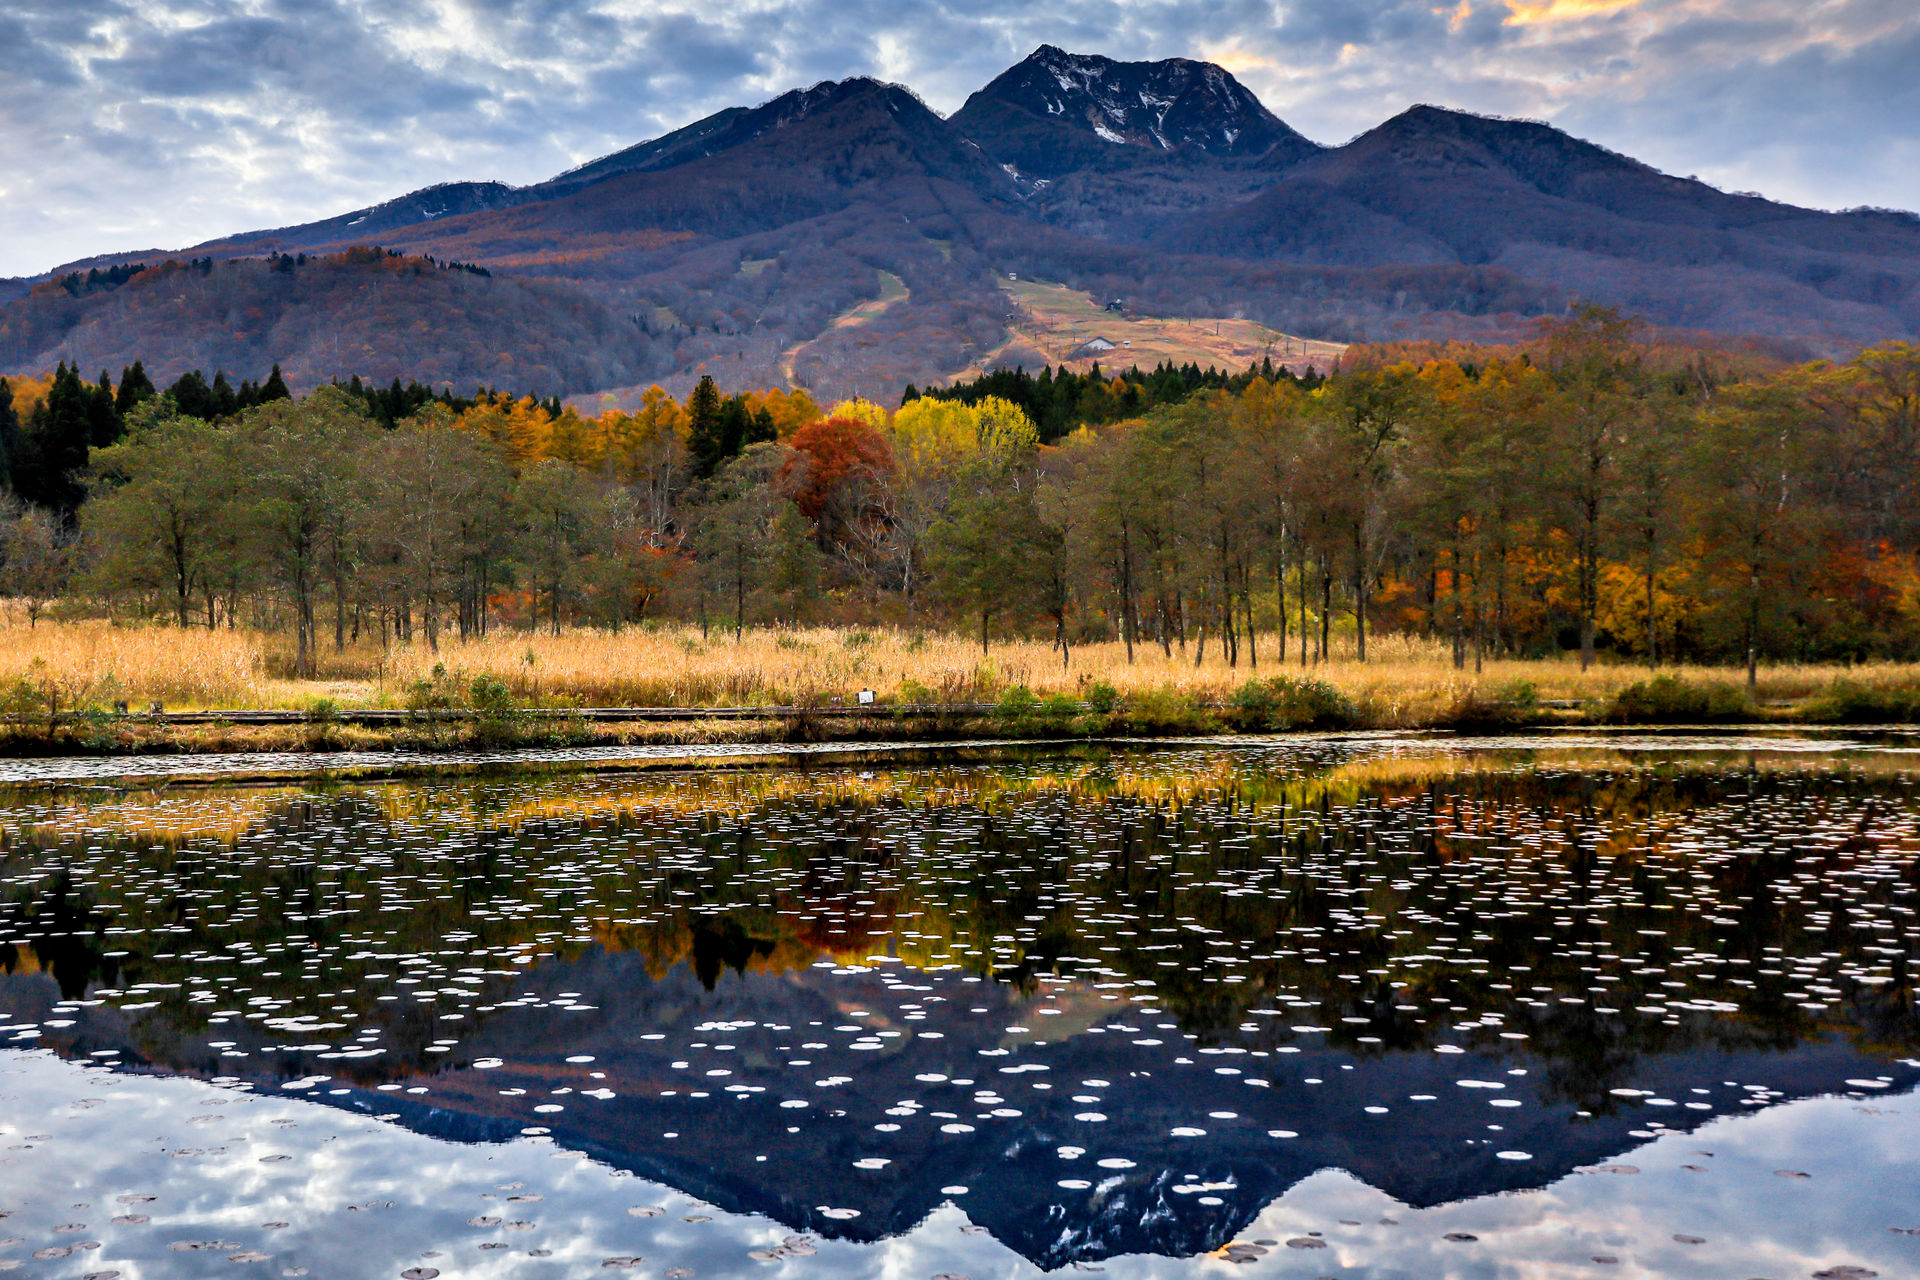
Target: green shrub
(912, 692)
(1059, 708)
(1850, 702)
(497, 714)
(1102, 698)
(1286, 702)
(1516, 702)
(1669, 699)
(1165, 711)
(1016, 706)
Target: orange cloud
(1521, 13)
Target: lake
(1383, 1005)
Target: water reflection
(1108, 1007)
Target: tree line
(1590, 492)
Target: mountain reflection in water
(1108, 1006)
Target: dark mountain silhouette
(737, 1147)
(1058, 113)
(1437, 186)
(740, 244)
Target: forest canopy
(1586, 492)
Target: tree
(52, 450)
(9, 433)
(838, 472)
(555, 500)
(159, 497)
(736, 536)
(304, 466)
(275, 387)
(1754, 521)
(136, 388)
(1594, 358)
(991, 552)
(36, 556)
(706, 428)
(1356, 431)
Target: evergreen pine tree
(275, 387)
(225, 402)
(704, 442)
(135, 386)
(103, 420)
(191, 396)
(760, 429)
(734, 421)
(53, 448)
(9, 432)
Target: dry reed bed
(1407, 681)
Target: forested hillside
(363, 311)
(756, 246)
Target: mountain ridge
(746, 242)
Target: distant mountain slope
(360, 312)
(733, 245)
(1436, 186)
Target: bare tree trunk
(1326, 612)
(1304, 628)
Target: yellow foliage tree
(861, 411)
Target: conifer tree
(9, 432)
(704, 426)
(191, 396)
(275, 387)
(225, 402)
(53, 448)
(135, 387)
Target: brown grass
(1408, 681)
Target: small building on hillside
(1091, 348)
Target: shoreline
(335, 764)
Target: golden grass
(1408, 681)
(1056, 320)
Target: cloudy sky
(129, 124)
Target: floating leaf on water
(420, 1273)
(1306, 1242)
(627, 1263)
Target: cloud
(137, 123)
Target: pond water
(1622, 1005)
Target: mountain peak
(734, 126)
(1056, 111)
(1540, 153)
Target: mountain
(359, 311)
(1058, 113)
(747, 1148)
(1437, 186)
(846, 238)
